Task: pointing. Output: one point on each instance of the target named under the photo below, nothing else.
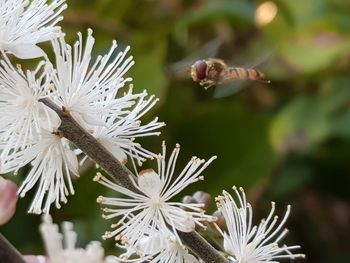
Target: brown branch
(71, 130)
(201, 247)
(8, 253)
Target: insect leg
(207, 84)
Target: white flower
(53, 164)
(60, 248)
(119, 132)
(252, 244)
(161, 247)
(88, 91)
(22, 115)
(151, 208)
(170, 250)
(24, 24)
(174, 252)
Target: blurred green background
(287, 141)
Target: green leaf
(303, 118)
(310, 52)
(310, 120)
(304, 12)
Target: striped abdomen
(244, 73)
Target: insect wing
(182, 68)
(231, 86)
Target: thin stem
(71, 130)
(8, 253)
(201, 247)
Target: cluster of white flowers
(149, 224)
(89, 91)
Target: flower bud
(220, 222)
(187, 199)
(8, 199)
(203, 198)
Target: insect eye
(201, 69)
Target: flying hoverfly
(213, 71)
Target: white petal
(24, 51)
(71, 159)
(183, 221)
(115, 150)
(149, 182)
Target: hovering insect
(212, 71)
